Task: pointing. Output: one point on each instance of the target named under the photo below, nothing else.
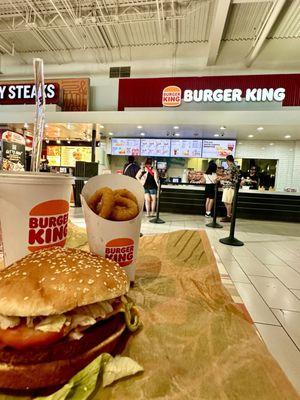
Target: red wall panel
(147, 92)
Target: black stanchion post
(231, 240)
(214, 223)
(157, 220)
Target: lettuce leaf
(82, 385)
(53, 323)
(119, 367)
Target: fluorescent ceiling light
(260, 128)
(222, 128)
(250, 136)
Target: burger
(60, 309)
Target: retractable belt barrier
(157, 220)
(214, 223)
(231, 240)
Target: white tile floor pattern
(265, 271)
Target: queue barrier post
(214, 223)
(157, 220)
(231, 240)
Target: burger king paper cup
(117, 240)
(34, 211)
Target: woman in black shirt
(148, 176)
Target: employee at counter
(251, 180)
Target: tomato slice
(22, 337)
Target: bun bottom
(29, 377)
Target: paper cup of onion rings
(113, 209)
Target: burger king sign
(171, 96)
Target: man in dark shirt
(253, 177)
(131, 168)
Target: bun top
(58, 280)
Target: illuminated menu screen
(125, 147)
(186, 148)
(53, 156)
(70, 154)
(218, 148)
(155, 147)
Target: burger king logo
(171, 96)
(120, 250)
(48, 224)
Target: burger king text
(48, 225)
(120, 250)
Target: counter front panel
(251, 204)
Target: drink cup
(117, 240)
(34, 211)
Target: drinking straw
(39, 121)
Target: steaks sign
(24, 93)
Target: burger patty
(65, 348)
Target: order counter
(190, 199)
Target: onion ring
(102, 202)
(124, 209)
(127, 194)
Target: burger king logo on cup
(171, 96)
(120, 250)
(48, 224)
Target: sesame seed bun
(57, 280)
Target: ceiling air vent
(119, 72)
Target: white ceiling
(107, 31)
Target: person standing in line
(148, 177)
(131, 168)
(210, 180)
(230, 178)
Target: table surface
(197, 340)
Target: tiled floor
(265, 271)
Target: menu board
(53, 156)
(218, 148)
(125, 147)
(155, 147)
(70, 154)
(186, 148)
(13, 151)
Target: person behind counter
(210, 179)
(230, 178)
(148, 177)
(131, 168)
(252, 180)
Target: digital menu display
(70, 154)
(53, 156)
(125, 147)
(186, 148)
(155, 147)
(218, 148)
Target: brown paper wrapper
(196, 343)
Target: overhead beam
(216, 30)
(264, 30)
(250, 1)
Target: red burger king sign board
(171, 96)
(120, 250)
(48, 225)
